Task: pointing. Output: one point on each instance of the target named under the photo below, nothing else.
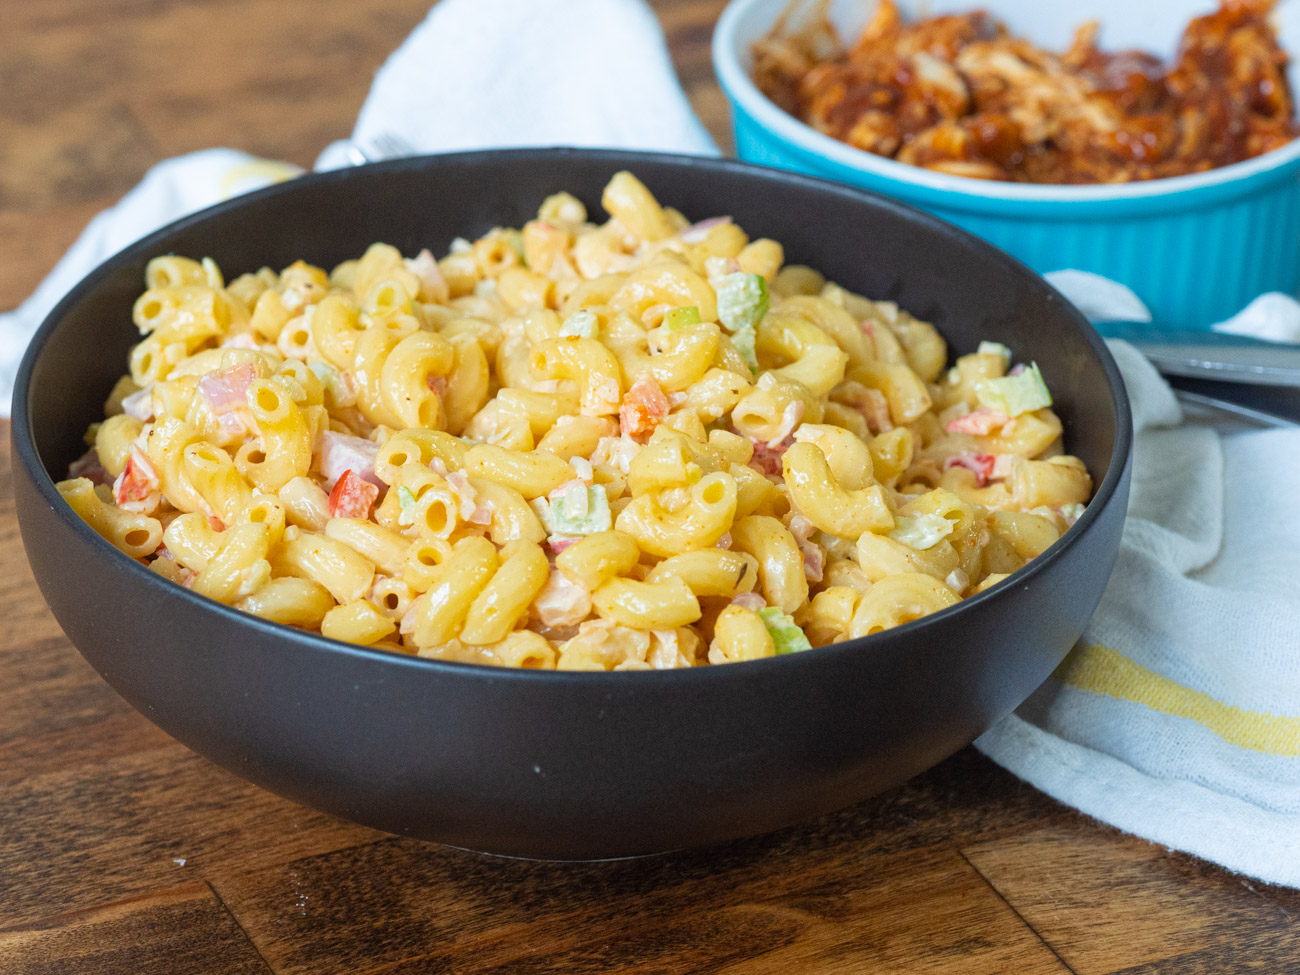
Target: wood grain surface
(123, 852)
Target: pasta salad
(638, 444)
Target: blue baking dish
(1196, 249)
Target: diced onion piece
(921, 532)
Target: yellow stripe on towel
(1106, 671)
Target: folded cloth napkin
(491, 74)
(1178, 715)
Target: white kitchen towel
(492, 74)
(1178, 715)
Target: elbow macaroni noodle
(621, 446)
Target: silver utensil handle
(1213, 408)
(1212, 355)
(1258, 365)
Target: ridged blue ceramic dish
(1196, 249)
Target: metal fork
(379, 147)
(1222, 412)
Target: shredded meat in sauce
(959, 94)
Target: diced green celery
(1014, 395)
(742, 300)
(406, 501)
(517, 243)
(559, 517)
(745, 339)
(785, 632)
(682, 317)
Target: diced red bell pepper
(352, 497)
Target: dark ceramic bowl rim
(25, 448)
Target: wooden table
(123, 852)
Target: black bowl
(570, 765)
